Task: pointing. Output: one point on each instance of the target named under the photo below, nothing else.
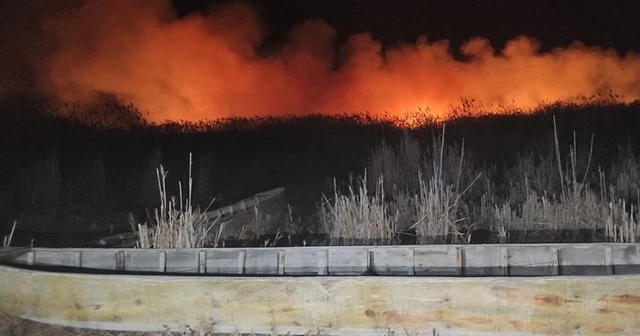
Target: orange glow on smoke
(207, 67)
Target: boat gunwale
(9, 256)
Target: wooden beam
(556, 305)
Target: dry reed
(176, 224)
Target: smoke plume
(207, 66)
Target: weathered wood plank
(262, 262)
(583, 260)
(398, 261)
(439, 260)
(225, 261)
(141, 260)
(561, 305)
(55, 257)
(182, 261)
(301, 261)
(348, 260)
(483, 260)
(99, 259)
(533, 260)
(626, 258)
(435, 260)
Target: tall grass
(529, 182)
(358, 217)
(431, 204)
(434, 190)
(176, 224)
(438, 202)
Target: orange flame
(207, 67)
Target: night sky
(606, 23)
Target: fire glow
(207, 67)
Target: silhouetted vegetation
(75, 172)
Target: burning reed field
(560, 173)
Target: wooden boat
(269, 203)
(548, 289)
(264, 199)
